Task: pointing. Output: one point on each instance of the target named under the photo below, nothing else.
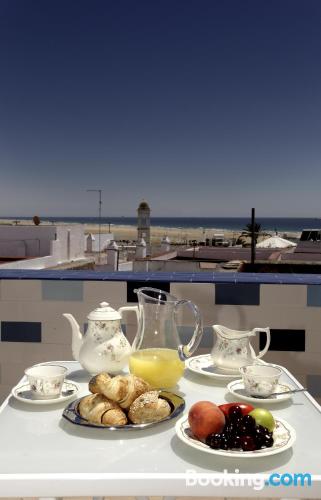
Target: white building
(92, 241)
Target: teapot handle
(268, 340)
(185, 351)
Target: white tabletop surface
(42, 454)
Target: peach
(205, 418)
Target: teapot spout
(77, 338)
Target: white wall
(70, 243)
(61, 244)
(34, 239)
(16, 248)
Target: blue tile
(62, 290)
(314, 296)
(20, 331)
(237, 294)
(198, 277)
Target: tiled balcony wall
(33, 329)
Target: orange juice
(159, 367)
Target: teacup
(260, 380)
(46, 381)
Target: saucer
(203, 365)
(22, 392)
(237, 389)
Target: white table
(43, 455)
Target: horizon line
(10, 217)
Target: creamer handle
(268, 340)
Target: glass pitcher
(158, 355)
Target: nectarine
(205, 418)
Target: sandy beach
(157, 233)
(128, 232)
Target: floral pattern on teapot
(99, 329)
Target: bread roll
(148, 407)
(87, 403)
(97, 409)
(114, 417)
(135, 387)
(98, 380)
(123, 389)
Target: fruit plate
(203, 365)
(284, 436)
(237, 389)
(177, 404)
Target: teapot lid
(104, 313)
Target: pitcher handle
(268, 340)
(129, 308)
(185, 351)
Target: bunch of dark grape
(240, 433)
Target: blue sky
(205, 107)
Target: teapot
(232, 348)
(104, 347)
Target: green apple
(263, 417)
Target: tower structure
(143, 224)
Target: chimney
(140, 249)
(165, 244)
(112, 255)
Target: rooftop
(219, 254)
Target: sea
(278, 224)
